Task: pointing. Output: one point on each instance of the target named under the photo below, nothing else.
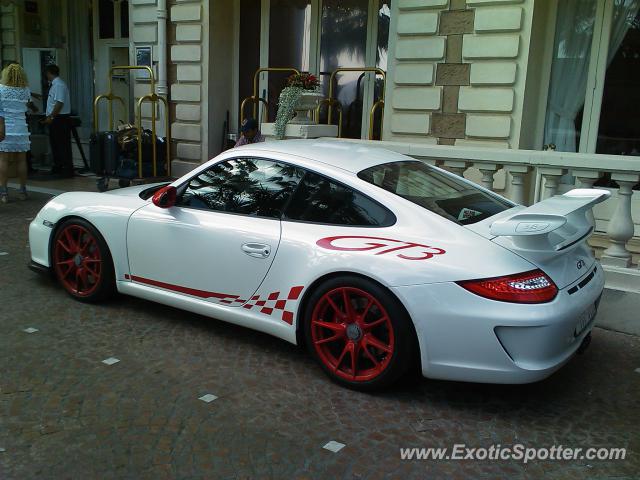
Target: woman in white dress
(15, 98)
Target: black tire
(398, 333)
(89, 266)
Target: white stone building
(482, 87)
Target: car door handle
(257, 250)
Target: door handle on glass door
(257, 250)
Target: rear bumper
(466, 337)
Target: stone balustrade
(530, 176)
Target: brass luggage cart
(331, 102)
(153, 99)
(255, 99)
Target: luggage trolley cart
(108, 160)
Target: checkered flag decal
(272, 305)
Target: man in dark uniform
(59, 121)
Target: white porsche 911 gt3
(376, 261)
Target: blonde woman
(15, 98)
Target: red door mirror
(165, 197)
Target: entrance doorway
(316, 36)
(111, 48)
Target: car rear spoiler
(552, 225)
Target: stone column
(488, 170)
(620, 229)
(517, 173)
(586, 179)
(551, 180)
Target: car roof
(350, 156)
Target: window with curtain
(619, 126)
(571, 70)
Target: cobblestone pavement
(65, 414)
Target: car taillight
(528, 287)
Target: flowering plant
(305, 81)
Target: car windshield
(440, 193)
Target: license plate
(584, 320)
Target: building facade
(527, 97)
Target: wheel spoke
(375, 323)
(342, 355)
(374, 342)
(64, 247)
(333, 338)
(355, 351)
(336, 327)
(370, 356)
(84, 278)
(348, 308)
(69, 270)
(339, 312)
(366, 309)
(88, 241)
(73, 246)
(92, 272)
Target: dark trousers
(60, 140)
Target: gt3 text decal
(410, 250)
(270, 306)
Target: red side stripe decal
(178, 288)
(280, 304)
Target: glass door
(289, 44)
(343, 44)
(355, 34)
(315, 36)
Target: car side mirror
(165, 197)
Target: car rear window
(436, 191)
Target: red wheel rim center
(352, 334)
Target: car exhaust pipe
(585, 344)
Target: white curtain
(574, 35)
(572, 51)
(624, 14)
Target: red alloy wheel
(352, 334)
(77, 260)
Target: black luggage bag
(104, 152)
(128, 165)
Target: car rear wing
(552, 225)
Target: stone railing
(527, 176)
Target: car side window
(320, 200)
(246, 186)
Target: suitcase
(104, 152)
(128, 166)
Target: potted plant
(300, 95)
